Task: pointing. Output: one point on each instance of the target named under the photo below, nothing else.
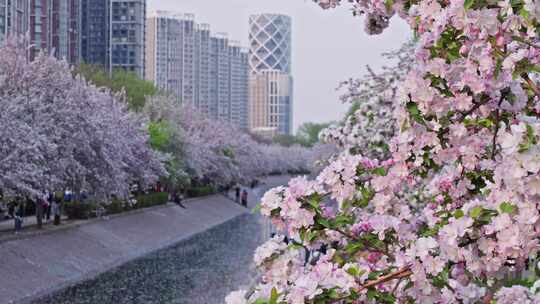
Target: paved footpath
(34, 265)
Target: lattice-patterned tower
(270, 43)
(271, 83)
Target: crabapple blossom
(453, 211)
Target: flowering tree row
(217, 151)
(467, 145)
(59, 132)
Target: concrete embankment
(35, 266)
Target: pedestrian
(237, 190)
(244, 198)
(56, 212)
(18, 216)
(178, 199)
(40, 210)
(48, 201)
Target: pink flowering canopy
(452, 215)
(219, 152)
(59, 132)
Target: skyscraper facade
(205, 70)
(127, 35)
(13, 17)
(271, 82)
(54, 28)
(94, 32)
(113, 34)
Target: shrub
(115, 207)
(79, 211)
(152, 199)
(202, 191)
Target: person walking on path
(56, 212)
(177, 198)
(244, 198)
(237, 190)
(40, 210)
(48, 203)
(18, 216)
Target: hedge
(201, 191)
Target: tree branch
(471, 110)
(402, 273)
(383, 250)
(497, 126)
(531, 84)
(397, 275)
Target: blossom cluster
(452, 215)
(372, 125)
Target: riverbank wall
(36, 266)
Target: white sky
(328, 46)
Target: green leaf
(415, 113)
(530, 140)
(324, 222)
(468, 4)
(486, 123)
(353, 248)
(371, 294)
(274, 296)
(380, 171)
(374, 275)
(507, 207)
(524, 13)
(498, 68)
(257, 209)
(459, 214)
(314, 203)
(389, 4)
(476, 212)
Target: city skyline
(201, 68)
(317, 35)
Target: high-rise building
(208, 71)
(203, 101)
(127, 35)
(13, 18)
(239, 84)
(113, 34)
(94, 32)
(271, 82)
(54, 28)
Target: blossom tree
(373, 97)
(468, 116)
(217, 151)
(58, 132)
